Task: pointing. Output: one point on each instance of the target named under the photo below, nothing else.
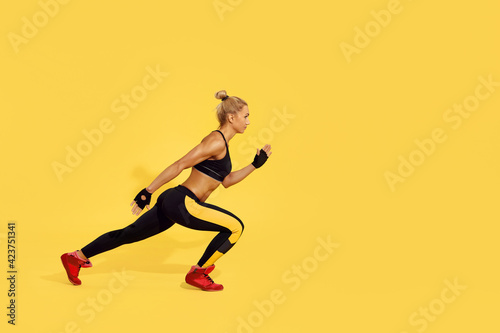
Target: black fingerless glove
(140, 202)
(260, 159)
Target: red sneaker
(198, 277)
(72, 266)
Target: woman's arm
(165, 176)
(209, 147)
(237, 176)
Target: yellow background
(347, 125)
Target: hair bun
(221, 94)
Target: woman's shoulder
(214, 140)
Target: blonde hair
(228, 105)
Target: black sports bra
(216, 169)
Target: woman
(185, 204)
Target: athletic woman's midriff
(200, 184)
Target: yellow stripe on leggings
(214, 216)
(213, 259)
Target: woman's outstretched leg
(149, 224)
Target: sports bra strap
(222, 136)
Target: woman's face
(240, 120)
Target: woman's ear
(230, 118)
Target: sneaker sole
(204, 289)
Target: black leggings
(176, 205)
